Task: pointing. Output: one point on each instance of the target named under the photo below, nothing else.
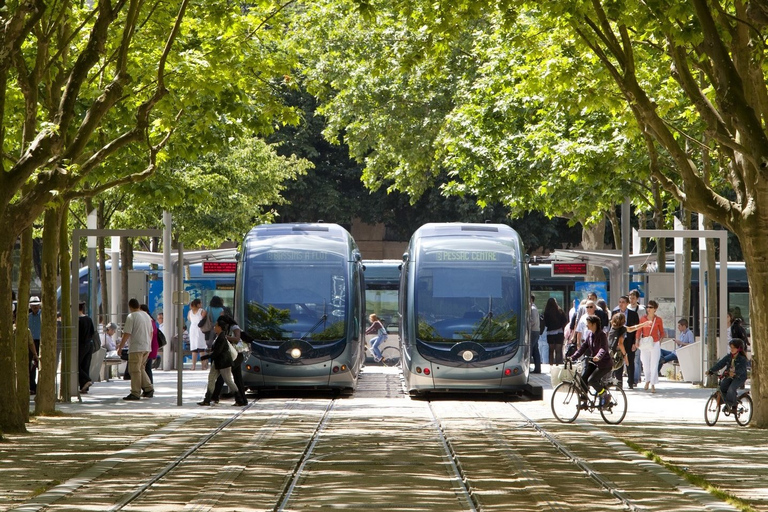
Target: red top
(656, 330)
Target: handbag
(646, 342)
(95, 343)
(232, 351)
(161, 340)
(205, 324)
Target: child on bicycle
(597, 348)
(735, 375)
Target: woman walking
(555, 321)
(221, 362)
(197, 343)
(652, 325)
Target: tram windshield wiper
(322, 319)
(484, 322)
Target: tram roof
(463, 228)
(317, 228)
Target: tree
(92, 95)
(683, 82)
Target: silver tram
(300, 299)
(464, 310)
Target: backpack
(617, 357)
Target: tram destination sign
(219, 267)
(569, 269)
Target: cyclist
(735, 375)
(600, 363)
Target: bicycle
(570, 397)
(390, 356)
(742, 413)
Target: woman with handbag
(650, 344)
(197, 345)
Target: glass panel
(299, 298)
(738, 306)
(468, 302)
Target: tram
(464, 311)
(299, 296)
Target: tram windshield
(468, 296)
(295, 294)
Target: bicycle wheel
(565, 402)
(390, 356)
(744, 410)
(616, 408)
(712, 409)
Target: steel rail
(584, 466)
(175, 463)
(464, 490)
(285, 496)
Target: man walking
(138, 330)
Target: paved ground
(670, 423)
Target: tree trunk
(615, 228)
(45, 402)
(65, 265)
(593, 238)
(755, 249)
(11, 418)
(22, 323)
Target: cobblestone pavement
(670, 423)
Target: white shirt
(139, 326)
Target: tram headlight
(295, 353)
(467, 355)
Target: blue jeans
(667, 356)
(375, 342)
(729, 388)
(638, 367)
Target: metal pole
(93, 279)
(625, 237)
(180, 324)
(169, 316)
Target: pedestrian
(197, 344)
(221, 362)
(533, 324)
(34, 360)
(616, 334)
(634, 305)
(652, 325)
(555, 321)
(155, 347)
(108, 340)
(85, 333)
(377, 328)
(632, 322)
(35, 326)
(602, 312)
(138, 330)
(233, 334)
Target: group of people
(590, 331)
(139, 338)
(214, 344)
